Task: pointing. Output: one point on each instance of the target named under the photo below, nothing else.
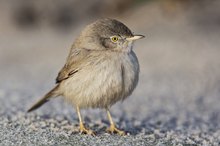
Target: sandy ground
(176, 102)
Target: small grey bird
(100, 70)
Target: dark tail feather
(46, 98)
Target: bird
(100, 70)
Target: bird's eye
(114, 39)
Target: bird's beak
(135, 37)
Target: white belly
(103, 84)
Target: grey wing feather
(46, 98)
(72, 64)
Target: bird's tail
(46, 98)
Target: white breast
(103, 83)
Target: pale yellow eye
(114, 39)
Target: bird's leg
(81, 125)
(112, 128)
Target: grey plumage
(101, 68)
(46, 98)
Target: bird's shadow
(132, 126)
(146, 125)
(101, 127)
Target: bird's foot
(84, 130)
(112, 129)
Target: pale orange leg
(81, 125)
(112, 128)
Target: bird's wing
(73, 64)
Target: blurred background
(179, 58)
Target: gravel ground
(176, 102)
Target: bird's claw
(112, 129)
(84, 130)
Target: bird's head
(107, 34)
